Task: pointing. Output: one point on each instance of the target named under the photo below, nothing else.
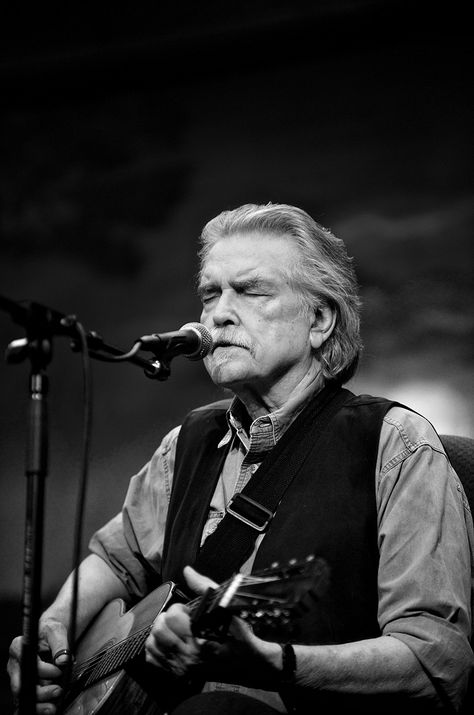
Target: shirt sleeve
(426, 552)
(132, 541)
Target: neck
(258, 403)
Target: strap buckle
(250, 512)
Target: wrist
(270, 657)
(288, 664)
(281, 658)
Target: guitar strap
(250, 511)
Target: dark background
(124, 132)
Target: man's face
(261, 332)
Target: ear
(323, 325)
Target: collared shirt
(425, 532)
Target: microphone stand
(42, 324)
(36, 470)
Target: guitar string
(137, 639)
(104, 662)
(85, 667)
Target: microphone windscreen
(205, 345)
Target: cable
(86, 441)
(117, 358)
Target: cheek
(288, 325)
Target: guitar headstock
(272, 598)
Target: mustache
(228, 336)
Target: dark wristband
(288, 664)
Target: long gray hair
(324, 275)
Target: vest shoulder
(218, 406)
(370, 403)
(365, 399)
(209, 414)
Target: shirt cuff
(442, 650)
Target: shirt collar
(266, 430)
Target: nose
(224, 309)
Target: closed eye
(207, 294)
(208, 297)
(254, 286)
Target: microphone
(193, 340)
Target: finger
(48, 693)
(15, 647)
(46, 699)
(172, 660)
(210, 650)
(46, 708)
(55, 637)
(48, 671)
(159, 654)
(170, 643)
(178, 620)
(196, 581)
(162, 636)
(153, 655)
(14, 664)
(62, 657)
(13, 670)
(47, 677)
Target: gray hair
(324, 275)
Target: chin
(224, 378)
(226, 375)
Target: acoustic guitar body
(129, 689)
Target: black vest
(329, 510)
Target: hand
(52, 642)
(171, 644)
(244, 658)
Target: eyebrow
(239, 283)
(249, 283)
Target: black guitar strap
(251, 510)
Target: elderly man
(361, 482)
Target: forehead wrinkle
(212, 273)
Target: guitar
(110, 674)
